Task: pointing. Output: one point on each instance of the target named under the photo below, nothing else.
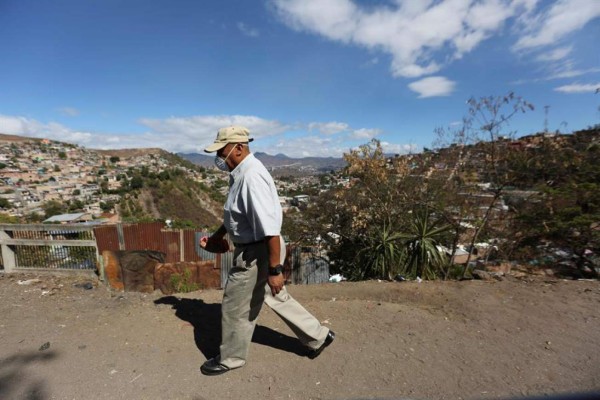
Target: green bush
(181, 283)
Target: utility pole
(546, 108)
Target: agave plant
(424, 257)
(382, 254)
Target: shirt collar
(241, 167)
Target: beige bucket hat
(230, 134)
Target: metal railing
(48, 247)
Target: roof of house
(66, 217)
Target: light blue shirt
(252, 210)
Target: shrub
(181, 283)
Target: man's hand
(214, 244)
(276, 283)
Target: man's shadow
(206, 320)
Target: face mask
(220, 163)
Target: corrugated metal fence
(176, 244)
(308, 265)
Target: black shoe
(312, 354)
(213, 367)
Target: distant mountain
(134, 152)
(198, 159)
(279, 164)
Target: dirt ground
(514, 338)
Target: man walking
(252, 218)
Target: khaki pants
(245, 292)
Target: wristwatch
(276, 270)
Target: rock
(86, 285)
(131, 270)
(480, 274)
(137, 267)
(28, 281)
(498, 276)
(502, 268)
(518, 274)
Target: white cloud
(16, 125)
(310, 146)
(364, 133)
(193, 134)
(555, 55)
(196, 132)
(559, 71)
(578, 88)
(556, 22)
(328, 128)
(414, 33)
(69, 111)
(246, 30)
(433, 86)
(334, 139)
(185, 134)
(567, 71)
(551, 26)
(31, 128)
(391, 148)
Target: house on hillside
(89, 189)
(68, 218)
(300, 200)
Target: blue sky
(307, 77)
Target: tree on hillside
(483, 139)
(136, 182)
(107, 206)
(75, 205)
(52, 208)
(566, 211)
(104, 186)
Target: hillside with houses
(37, 174)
